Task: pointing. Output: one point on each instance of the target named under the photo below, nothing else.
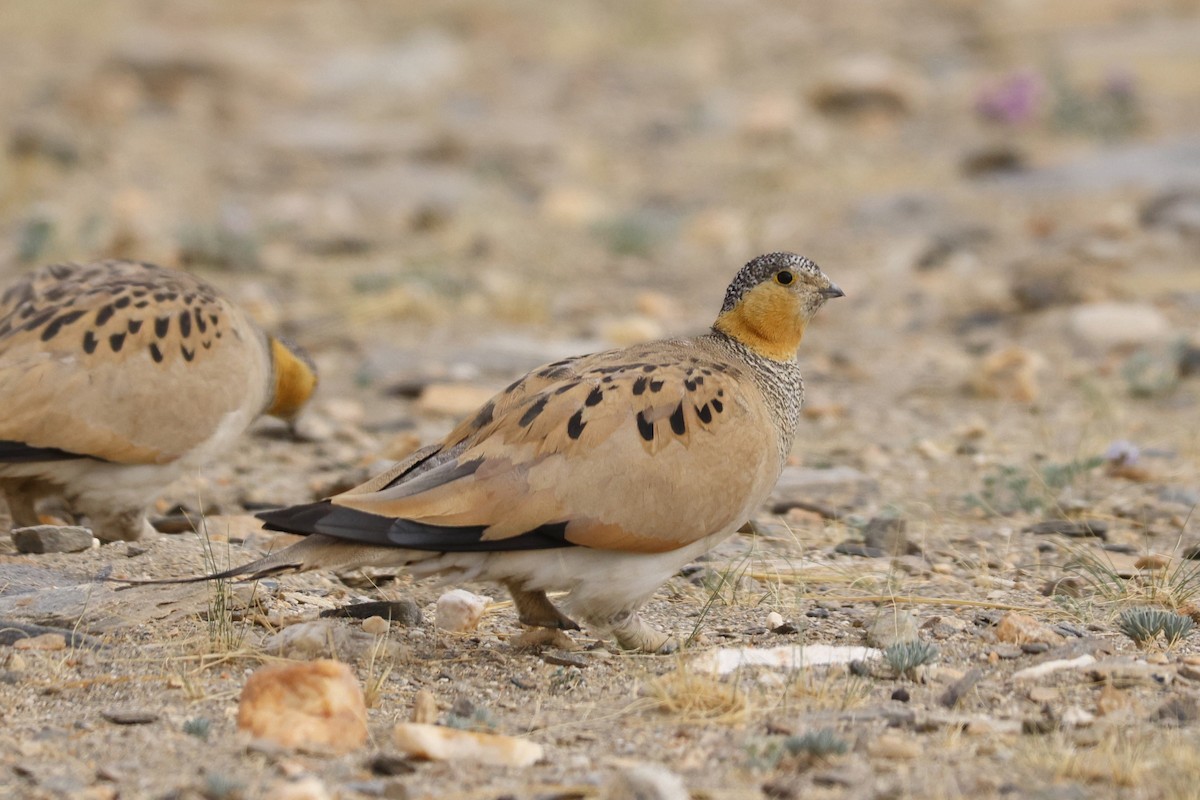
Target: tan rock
(317, 705)
(453, 399)
(47, 641)
(1010, 373)
(376, 626)
(1017, 628)
(895, 747)
(631, 329)
(437, 743)
(425, 708)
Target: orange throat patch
(294, 382)
(767, 321)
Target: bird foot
(634, 633)
(535, 610)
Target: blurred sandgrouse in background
(117, 376)
(599, 475)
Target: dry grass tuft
(698, 698)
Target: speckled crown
(759, 269)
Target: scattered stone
(52, 539)
(774, 620)
(321, 638)
(645, 782)
(315, 705)
(308, 787)
(889, 534)
(129, 716)
(867, 85)
(565, 659)
(1035, 648)
(1107, 325)
(405, 613)
(786, 657)
(800, 487)
(994, 158)
(1017, 628)
(631, 329)
(1076, 717)
(1123, 673)
(425, 708)
(12, 632)
(1154, 562)
(850, 547)
(1043, 694)
(453, 399)
(437, 743)
(45, 641)
(1074, 529)
(960, 688)
(375, 626)
(901, 695)
(1177, 210)
(891, 627)
(389, 765)
(459, 610)
(1178, 710)
(1010, 373)
(894, 747)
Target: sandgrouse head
(770, 302)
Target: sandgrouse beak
(833, 291)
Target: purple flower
(1012, 101)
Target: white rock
(788, 657)
(309, 787)
(645, 782)
(375, 626)
(1048, 667)
(774, 620)
(1110, 324)
(437, 743)
(459, 610)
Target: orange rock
(1018, 628)
(316, 705)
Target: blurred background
(435, 196)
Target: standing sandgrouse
(116, 377)
(600, 475)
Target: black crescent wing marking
(21, 453)
(359, 526)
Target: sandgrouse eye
(784, 278)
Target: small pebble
(129, 716)
(376, 626)
(774, 620)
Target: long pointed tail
(313, 552)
